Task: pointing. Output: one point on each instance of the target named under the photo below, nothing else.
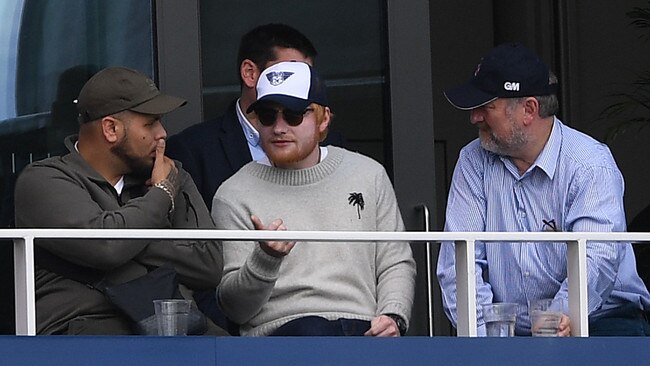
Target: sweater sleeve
(249, 273)
(47, 197)
(394, 261)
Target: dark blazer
(211, 151)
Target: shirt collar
(119, 186)
(547, 159)
(251, 134)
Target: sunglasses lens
(293, 118)
(266, 116)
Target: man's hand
(276, 249)
(383, 326)
(163, 167)
(564, 330)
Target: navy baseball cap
(293, 84)
(510, 70)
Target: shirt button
(526, 273)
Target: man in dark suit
(214, 150)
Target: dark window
(48, 49)
(350, 38)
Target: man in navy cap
(527, 171)
(324, 289)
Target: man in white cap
(288, 288)
(528, 171)
(116, 176)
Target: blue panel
(100, 351)
(205, 351)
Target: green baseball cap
(117, 89)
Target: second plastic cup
(544, 318)
(500, 319)
(172, 316)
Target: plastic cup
(545, 318)
(500, 319)
(172, 316)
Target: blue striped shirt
(574, 185)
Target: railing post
(425, 211)
(577, 283)
(465, 288)
(24, 286)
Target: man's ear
(325, 123)
(531, 109)
(111, 128)
(249, 73)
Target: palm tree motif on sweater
(356, 199)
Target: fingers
(288, 245)
(382, 326)
(277, 249)
(160, 149)
(162, 165)
(273, 248)
(277, 224)
(257, 223)
(564, 330)
(160, 152)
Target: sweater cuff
(264, 265)
(397, 309)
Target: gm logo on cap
(511, 85)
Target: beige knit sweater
(332, 280)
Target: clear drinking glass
(545, 317)
(500, 319)
(172, 316)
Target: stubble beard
(138, 167)
(297, 152)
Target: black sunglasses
(267, 116)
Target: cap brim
(468, 97)
(289, 102)
(161, 104)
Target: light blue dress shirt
(574, 185)
(251, 134)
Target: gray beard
(516, 141)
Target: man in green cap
(116, 176)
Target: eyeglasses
(267, 116)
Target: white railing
(465, 269)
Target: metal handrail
(465, 268)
